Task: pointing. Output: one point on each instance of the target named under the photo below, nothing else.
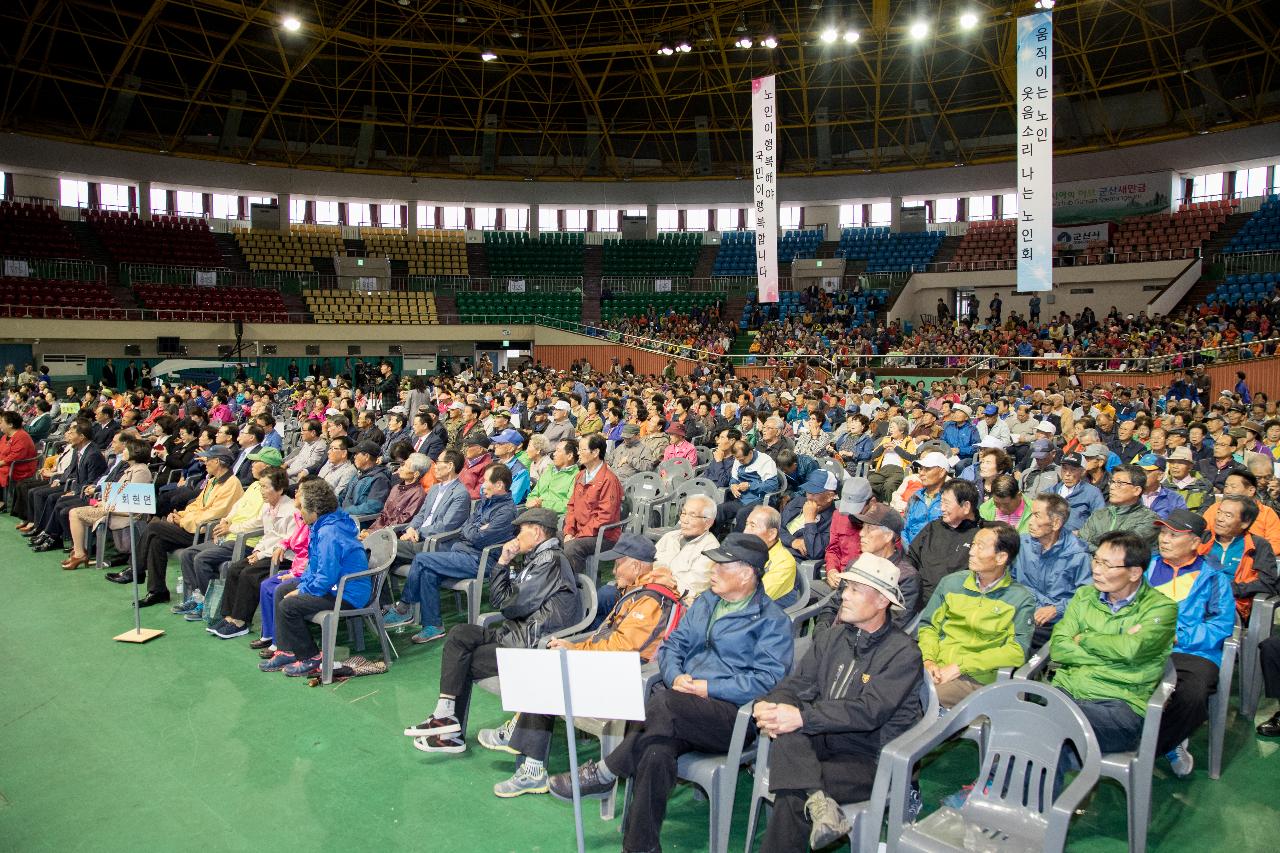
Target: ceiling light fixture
(968, 20)
(918, 30)
(769, 41)
(744, 42)
(291, 23)
(683, 46)
(1044, 4)
(666, 50)
(851, 36)
(488, 56)
(829, 35)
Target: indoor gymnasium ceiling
(584, 89)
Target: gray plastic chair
(804, 585)
(865, 817)
(1018, 810)
(381, 546)
(675, 471)
(671, 507)
(830, 463)
(1132, 769)
(1260, 627)
(473, 588)
(1219, 704)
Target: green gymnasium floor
(182, 744)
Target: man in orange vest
(1247, 558)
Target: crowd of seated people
(702, 330)
(941, 532)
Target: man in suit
(57, 528)
(87, 465)
(105, 427)
(250, 441)
(446, 507)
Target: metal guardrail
(1247, 262)
(69, 269)
(1109, 256)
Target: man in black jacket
(856, 689)
(942, 547)
(537, 598)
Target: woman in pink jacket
(679, 448)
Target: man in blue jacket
(1051, 563)
(732, 647)
(753, 476)
(1206, 618)
(806, 521)
(1081, 496)
(490, 524)
(367, 492)
(960, 433)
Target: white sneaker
(499, 739)
(524, 781)
(1181, 761)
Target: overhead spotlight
(769, 41)
(968, 20)
(851, 36)
(291, 23)
(683, 46)
(829, 35)
(919, 30)
(744, 42)
(1044, 4)
(666, 50)
(488, 56)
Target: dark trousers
(293, 622)
(59, 517)
(800, 764)
(731, 517)
(38, 497)
(674, 723)
(470, 654)
(532, 735)
(202, 563)
(159, 538)
(172, 498)
(1269, 657)
(19, 507)
(240, 595)
(1188, 707)
(1117, 727)
(578, 550)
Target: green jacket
(1107, 661)
(980, 632)
(987, 510)
(1194, 493)
(1134, 518)
(554, 486)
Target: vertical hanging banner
(764, 179)
(1035, 152)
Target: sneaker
(196, 615)
(306, 666)
(392, 618)
(1181, 761)
(590, 783)
(185, 607)
(213, 629)
(227, 630)
(499, 739)
(524, 781)
(829, 822)
(452, 744)
(427, 634)
(434, 727)
(277, 662)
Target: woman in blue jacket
(334, 553)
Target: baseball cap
(677, 429)
(1047, 428)
(741, 546)
(630, 430)
(1180, 454)
(367, 447)
(635, 546)
(1041, 447)
(475, 438)
(933, 459)
(397, 410)
(992, 441)
(1096, 451)
(854, 495)
(990, 409)
(562, 406)
(502, 413)
(882, 515)
(1075, 460)
(879, 574)
(507, 436)
(540, 516)
(961, 407)
(268, 455)
(1185, 521)
(820, 480)
(1151, 462)
(217, 451)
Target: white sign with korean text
(1080, 236)
(206, 278)
(1035, 233)
(137, 498)
(764, 212)
(662, 285)
(16, 269)
(515, 286)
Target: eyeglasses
(695, 516)
(1104, 564)
(1128, 483)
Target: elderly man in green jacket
(1113, 641)
(1124, 509)
(554, 486)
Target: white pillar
(411, 218)
(651, 222)
(535, 211)
(895, 214)
(284, 201)
(144, 200)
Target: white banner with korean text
(1035, 233)
(764, 157)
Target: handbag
(213, 603)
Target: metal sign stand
(143, 496)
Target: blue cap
(507, 436)
(990, 409)
(820, 480)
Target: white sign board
(764, 213)
(137, 498)
(1080, 236)
(515, 286)
(662, 285)
(1034, 100)
(16, 269)
(601, 684)
(1076, 202)
(206, 278)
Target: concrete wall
(1121, 285)
(36, 186)
(828, 215)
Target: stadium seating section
(493, 307)
(1261, 233)
(737, 255)
(57, 299)
(34, 231)
(673, 255)
(343, 306)
(800, 244)
(1154, 235)
(186, 303)
(271, 251)
(984, 243)
(548, 255)
(1244, 288)
(430, 253)
(887, 252)
(634, 304)
(862, 306)
(168, 240)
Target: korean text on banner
(1035, 152)
(16, 268)
(764, 180)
